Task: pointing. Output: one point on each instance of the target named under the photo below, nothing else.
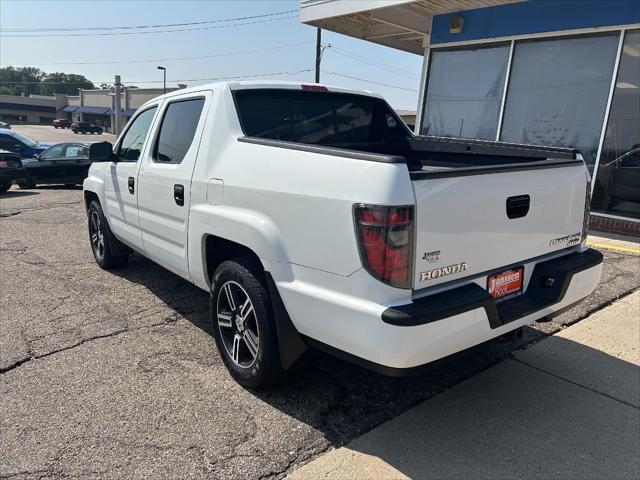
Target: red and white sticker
(506, 284)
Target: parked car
(61, 123)
(64, 163)
(15, 142)
(11, 170)
(83, 127)
(5, 125)
(315, 218)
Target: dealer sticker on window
(505, 285)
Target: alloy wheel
(238, 324)
(97, 236)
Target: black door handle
(518, 207)
(131, 183)
(178, 194)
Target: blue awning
(95, 110)
(70, 108)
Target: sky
(275, 44)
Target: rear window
(319, 118)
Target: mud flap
(291, 344)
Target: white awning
(401, 24)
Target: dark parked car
(5, 125)
(11, 170)
(83, 127)
(64, 163)
(17, 143)
(61, 123)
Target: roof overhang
(401, 24)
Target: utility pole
(117, 106)
(318, 53)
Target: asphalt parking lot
(114, 373)
(49, 134)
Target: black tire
(102, 246)
(4, 187)
(244, 276)
(27, 184)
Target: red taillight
(385, 240)
(4, 164)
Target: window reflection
(558, 92)
(617, 182)
(465, 91)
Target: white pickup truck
(315, 218)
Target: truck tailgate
(474, 222)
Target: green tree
(20, 81)
(68, 83)
(31, 80)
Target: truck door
(121, 178)
(165, 180)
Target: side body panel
(163, 221)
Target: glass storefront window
(464, 92)
(617, 183)
(558, 91)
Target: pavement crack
(9, 214)
(592, 390)
(167, 321)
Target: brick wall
(614, 225)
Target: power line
(233, 77)
(152, 31)
(368, 81)
(226, 54)
(365, 59)
(131, 27)
(375, 64)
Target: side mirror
(37, 156)
(101, 152)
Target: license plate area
(506, 284)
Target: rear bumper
(548, 286)
(400, 339)
(8, 176)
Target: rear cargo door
(471, 222)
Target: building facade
(562, 72)
(34, 109)
(93, 106)
(98, 106)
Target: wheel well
(218, 249)
(89, 197)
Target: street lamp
(164, 79)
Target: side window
(177, 130)
(131, 144)
(53, 152)
(8, 143)
(76, 151)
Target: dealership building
(563, 73)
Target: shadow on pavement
(566, 411)
(17, 193)
(339, 399)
